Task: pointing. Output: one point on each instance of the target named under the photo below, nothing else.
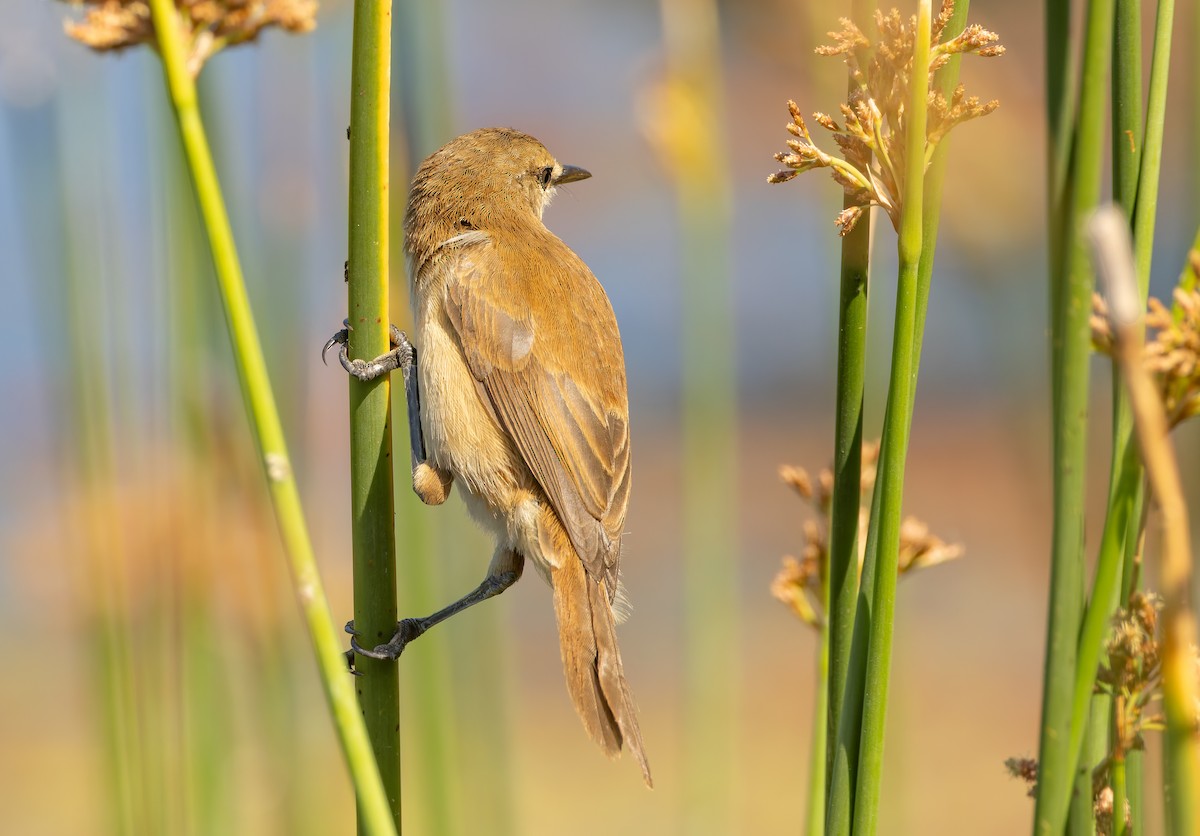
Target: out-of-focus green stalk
(1178, 622)
(372, 494)
(432, 796)
(257, 395)
(1179, 626)
(691, 35)
(1081, 816)
(1127, 476)
(1120, 794)
(1150, 165)
(424, 97)
(1127, 102)
(1071, 295)
(92, 463)
(814, 822)
(1127, 133)
(894, 443)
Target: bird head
(488, 179)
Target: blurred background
(146, 618)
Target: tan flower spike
(209, 25)
(873, 131)
(798, 583)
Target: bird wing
(555, 380)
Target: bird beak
(571, 173)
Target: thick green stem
(371, 488)
(894, 444)
(845, 503)
(847, 499)
(1071, 292)
(847, 457)
(268, 430)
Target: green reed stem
(1127, 104)
(268, 431)
(847, 457)
(894, 443)
(1127, 476)
(842, 573)
(1150, 164)
(1120, 795)
(1183, 754)
(372, 493)
(844, 768)
(1071, 295)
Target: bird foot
(406, 631)
(400, 357)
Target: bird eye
(544, 176)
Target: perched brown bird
(520, 389)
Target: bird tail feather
(592, 663)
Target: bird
(516, 387)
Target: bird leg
(505, 570)
(403, 356)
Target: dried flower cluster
(798, 583)
(1172, 356)
(1102, 809)
(1024, 769)
(1131, 673)
(209, 25)
(1132, 669)
(873, 134)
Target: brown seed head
(208, 25)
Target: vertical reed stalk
(92, 463)
(1180, 697)
(842, 573)
(268, 431)
(692, 142)
(848, 744)
(1127, 147)
(372, 494)
(1071, 294)
(814, 823)
(894, 442)
(841, 760)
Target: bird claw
(349, 657)
(400, 357)
(406, 631)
